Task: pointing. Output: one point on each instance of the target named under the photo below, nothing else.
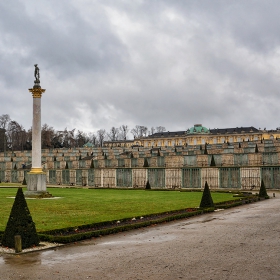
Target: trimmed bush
(256, 149)
(212, 161)
(148, 186)
(205, 150)
(66, 165)
(206, 200)
(20, 223)
(262, 192)
(92, 164)
(146, 164)
(24, 181)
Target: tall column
(36, 180)
(36, 130)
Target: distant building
(198, 135)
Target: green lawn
(75, 207)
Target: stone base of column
(36, 186)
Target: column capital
(37, 92)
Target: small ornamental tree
(212, 161)
(262, 192)
(148, 186)
(66, 165)
(105, 156)
(24, 181)
(131, 155)
(20, 223)
(15, 167)
(239, 145)
(205, 150)
(92, 164)
(146, 164)
(256, 149)
(206, 200)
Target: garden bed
(72, 234)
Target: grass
(75, 207)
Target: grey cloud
(169, 63)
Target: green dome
(197, 128)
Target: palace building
(198, 135)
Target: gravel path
(238, 243)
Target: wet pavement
(238, 243)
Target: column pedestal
(36, 185)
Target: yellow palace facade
(198, 135)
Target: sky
(142, 62)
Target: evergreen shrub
(206, 200)
(148, 186)
(20, 223)
(212, 161)
(24, 181)
(262, 192)
(146, 164)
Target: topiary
(148, 186)
(256, 149)
(212, 161)
(205, 150)
(206, 200)
(24, 181)
(66, 165)
(92, 164)
(20, 223)
(262, 192)
(146, 164)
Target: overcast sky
(171, 63)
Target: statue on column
(37, 74)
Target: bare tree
(70, 139)
(47, 135)
(4, 120)
(92, 138)
(160, 128)
(113, 134)
(123, 132)
(139, 131)
(152, 131)
(101, 134)
(81, 138)
(15, 136)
